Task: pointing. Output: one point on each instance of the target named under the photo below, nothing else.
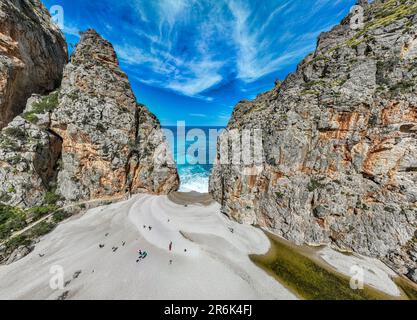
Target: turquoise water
(194, 150)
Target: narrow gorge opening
(194, 150)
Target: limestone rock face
(339, 147)
(28, 159)
(111, 144)
(88, 140)
(33, 54)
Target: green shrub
(60, 216)
(11, 219)
(389, 209)
(42, 228)
(31, 117)
(4, 197)
(100, 127)
(314, 185)
(403, 86)
(315, 83)
(15, 160)
(279, 195)
(39, 212)
(307, 92)
(51, 198)
(14, 243)
(15, 132)
(6, 142)
(46, 104)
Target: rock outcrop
(28, 158)
(111, 145)
(339, 148)
(33, 54)
(88, 140)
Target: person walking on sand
(170, 246)
(140, 255)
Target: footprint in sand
(76, 274)
(63, 296)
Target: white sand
(215, 266)
(375, 273)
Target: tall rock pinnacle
(88, 140)
(109, 140)
(33, 54)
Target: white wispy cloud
(257, 53)
(198, 115)
(189, 78)
(71, 30)
(193, 46)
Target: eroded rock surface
(88, 140)
(28, 159)
(33, 54)
(111, 145)
(339, 143)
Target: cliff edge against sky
(72, 133)
(339, 143)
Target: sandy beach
(98, 252)
(375, 273)
(193, 252)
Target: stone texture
(33, 54)
(111, 144)
(339, 143)
(28, 159)
(89, 140)
(18, 254)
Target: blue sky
(193, 60)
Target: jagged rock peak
(92, 48)
(33, 53)
(110, 143)
(88, 140)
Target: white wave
(200, 184)
(194, 181)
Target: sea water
(193, 176)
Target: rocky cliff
(88, 140)
(339, 143)
(111, 145)
(33, 54)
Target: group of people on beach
(142, 255)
